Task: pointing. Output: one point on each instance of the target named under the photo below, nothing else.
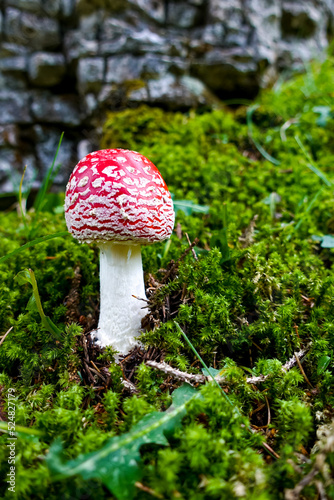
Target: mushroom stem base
(121, 278)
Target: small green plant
(28, 276)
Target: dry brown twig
(130, 386)
(194, 379)
(191, 246)
(302, 371)
(148, 490)
(4, 336)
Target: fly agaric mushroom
(118, 199)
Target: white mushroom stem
(121, 278)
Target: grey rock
(213, 34)
(48, 108)
(225, 11)
(114, 36)
(75, 46)
(91, 104)
(113, 27)
(294, 55)
(168, 89)
(12, 82)
(182, 14)
(9, 135)
(12, 165)
(265, 19)
(144, 41)
(227, 26)
(90, 74)
(84, 148)
(184, 92)
(67, 8)
(14, 107)
(87, 7)
(227, 72)
(119, 37)
(44, 7)
(14, 65)
(47, 140)
(123, 68)
(115, 46)
(299, 19)
(9, 177)
(29, 29)
(12, 50)
(89, 25)
(154, 66)
(30, 5)
(154, 9)
(107, 94)
(178, 44)
(46, 69)
(31, 173)
(51, 8)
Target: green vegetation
(255, 187)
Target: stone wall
(65, 63)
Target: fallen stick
(201, 379)
(4, 336)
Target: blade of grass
(31, 244)
(258, 146)
(20, 429)
(46, 321)
(20, 200)
(206, 368)
(311, 164)
(28, 276)
(308, 208)
(42, 192)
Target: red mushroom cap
(118, 195)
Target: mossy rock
(87, 7)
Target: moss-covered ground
(254, 295)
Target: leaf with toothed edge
(116, 464)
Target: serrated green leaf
(327, 241)
(116, 464)
(314, 237)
